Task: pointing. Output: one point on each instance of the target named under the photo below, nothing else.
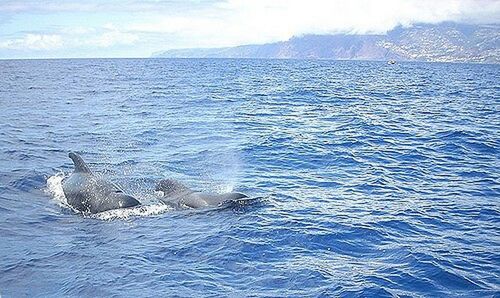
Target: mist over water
(378, 180)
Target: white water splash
(54, 189)
(141, 211)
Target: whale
(89, 193)
(179, 196)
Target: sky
(138, 28)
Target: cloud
(34, 42)
(48, 6)
(110, 38)
(78, 30)
(310, 11)
(77, 37)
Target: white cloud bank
(33, 42)
(109, 38)
(239, 21)
(70, 38)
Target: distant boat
(391, 62)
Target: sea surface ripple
(375, 180)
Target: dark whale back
(171, 187)
(177, 195)
(87, 193)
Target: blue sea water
(374, 180)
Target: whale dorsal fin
(80, 165)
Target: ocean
(373, 180)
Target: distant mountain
(445, 42)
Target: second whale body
(178, 196)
